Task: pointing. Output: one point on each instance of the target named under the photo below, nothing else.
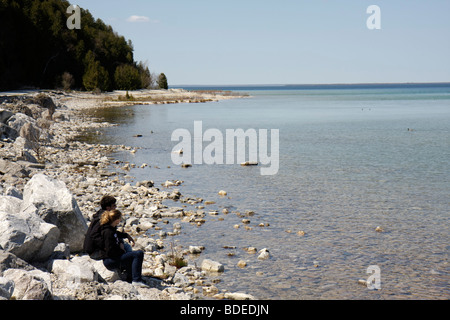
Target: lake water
(351, 159)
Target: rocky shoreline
(51, 185)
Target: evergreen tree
(95, 77)
(147, 81)
(162, 81)
(37, 48)
(127, 77)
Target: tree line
(38, 50)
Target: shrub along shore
(51, 185)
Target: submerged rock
(242, 264)
(238, 296)
(249, 163)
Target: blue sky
(213, 42)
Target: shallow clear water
(348, 163)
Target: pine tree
(146, 77)
(162, 81)
(36, 48)
(127, 77)
(96, 77)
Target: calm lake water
(351, 159)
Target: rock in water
(263, 254)
(56, 205)
(210, 265)
(249, 163)
(238, 296)
(242, 264)
(196, 249)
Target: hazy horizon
(315, 84)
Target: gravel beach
(51, 185)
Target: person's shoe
(139, 284)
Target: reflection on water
(114, 115)
(348, 165)
(119, 115)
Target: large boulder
(81, 269)
(30, 132)
(13, 168)
(105, 274)
(11, 261)
(24, 233)
(56, 205)
(44, 101)
(8, 132)
(24, 147)
(73, 272)
(29, 285)
(18, 120)
(5, 115)
(6, 288)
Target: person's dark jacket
(93, 239)
(112, 240)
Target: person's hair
(110, 216)
(107, 201)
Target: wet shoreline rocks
(51, 185)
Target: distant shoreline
(241, 87)
(220, 92)
(84, 99)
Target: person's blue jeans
(131, 261)
(127, 247)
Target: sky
(251, 42)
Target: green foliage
(127, 97)
(162, 81)
(37, 48)
(127, 77)
(96, 77)
(176, 258)
(145, 75)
